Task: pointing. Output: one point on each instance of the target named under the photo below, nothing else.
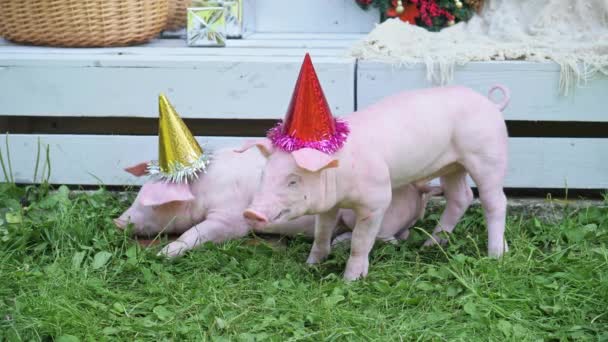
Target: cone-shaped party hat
(180, 157)
(309, 122)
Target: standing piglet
(318, 164)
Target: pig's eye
(292, 181)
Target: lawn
(66, 274)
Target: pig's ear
(313, 160)
(264, 145)
(159, 193)
(138, 170)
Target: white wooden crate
(253, 79)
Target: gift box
(206, 26)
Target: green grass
(66, 274)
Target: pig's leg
(458, 198)
(363, 238)
(391, 239)
(324, 228)
(342, 238)
(215, 229)
(404, 235)
(494, 203)
(489, 177)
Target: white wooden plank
(176, 48)
(535, 93)
(534, 162)
(181, 42)
(313, 16)
(172, 60)
(558, 163)
(89, 159)
(256, 87)
(260, 42)
(291, 43)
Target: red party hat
(309, 122)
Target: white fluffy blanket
(572, 33)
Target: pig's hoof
(314, 259)
(497, 251)
(342, 238)
(404, 236)
(174, 249)
(435, 240)
(356, 268)
(392, 240)
(317, 254)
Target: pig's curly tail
(506, 96)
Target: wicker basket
(177, 14)
(82, 23)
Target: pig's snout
(255, 216)
(120, 223)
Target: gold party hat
(180, 157)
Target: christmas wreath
(431, 14)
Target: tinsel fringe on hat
(180, 173)
(288, 143)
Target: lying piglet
(210, 208)
(442, 132)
